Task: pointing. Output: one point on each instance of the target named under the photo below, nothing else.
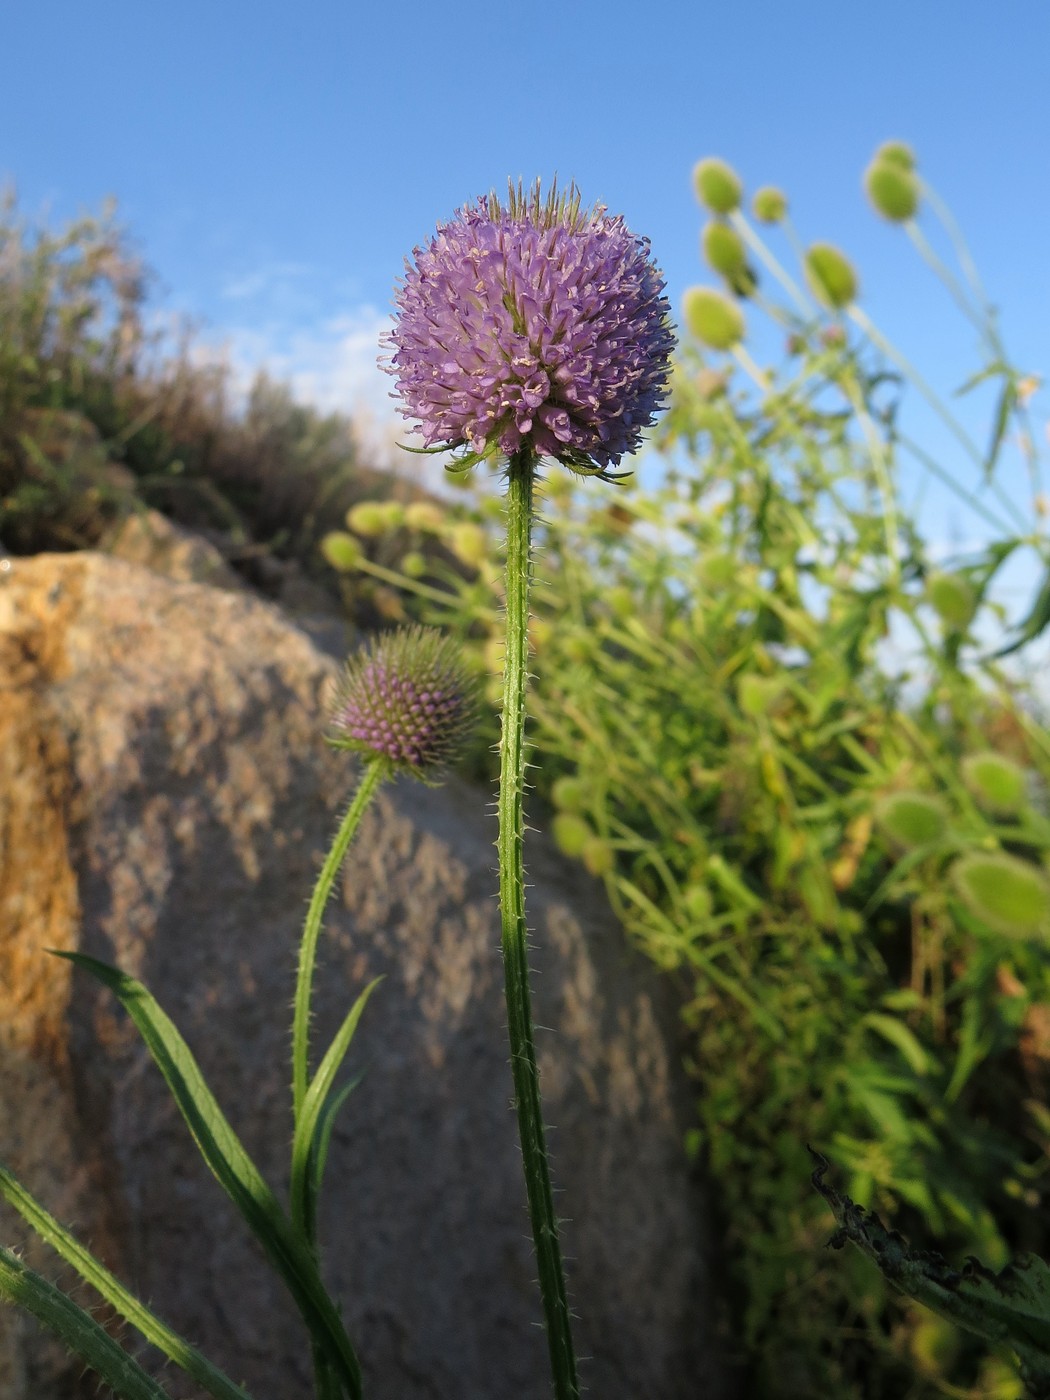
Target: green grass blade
(92, 1271)
(303, 1181)
(235, 1170)
(77, 1329)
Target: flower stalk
(514, 935)
(375, 772)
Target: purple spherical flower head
(534, 327)
(405, 698)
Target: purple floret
(534, 327)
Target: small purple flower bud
(536, 326)
(405, 698)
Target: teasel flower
(532, 325)
(406, 700)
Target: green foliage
(98, 416)
(789, 824)
(1010, 1308)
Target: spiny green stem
(375, 772)
(326, 1382)
(515, 951)
(78, 1330)
(207, 1376)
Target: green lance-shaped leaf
(92, 1271)
(305, 1142)
(77, 1329)
(1011, 1308)
(235, 1170)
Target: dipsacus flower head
(533, 325)
(405, 698)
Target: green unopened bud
(723, 248)
(571, 833)
(375, 517)
(830, 275)
(696, 902)
(717, 185)
(897, 153)
(342, 551)
(569, 794)
(717, 571)
(911, 819)
(406, 698)
(757, 695)
(893, 190)
(598, 856)
(414, 565)
(1009, 895)
(421, 515)
(469, 543)
(623, 602)
(997, 782)
(770, 205)
(713, 318)
(952, 598)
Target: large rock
(165, 801)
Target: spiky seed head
(717, 185)
(830, 275)
(1011, 896)
(770, 205)
(713, 318)
(996, 781)
(406, 698)
(723, 248)
(893, 190)
(911, 819)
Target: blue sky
(275, 163)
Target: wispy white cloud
(269, 280)
(331, 363)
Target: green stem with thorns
(515, 950)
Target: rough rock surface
(165, 801)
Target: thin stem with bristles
(514, 938)
(375, 771)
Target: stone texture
(149, 538)
(165, 801)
